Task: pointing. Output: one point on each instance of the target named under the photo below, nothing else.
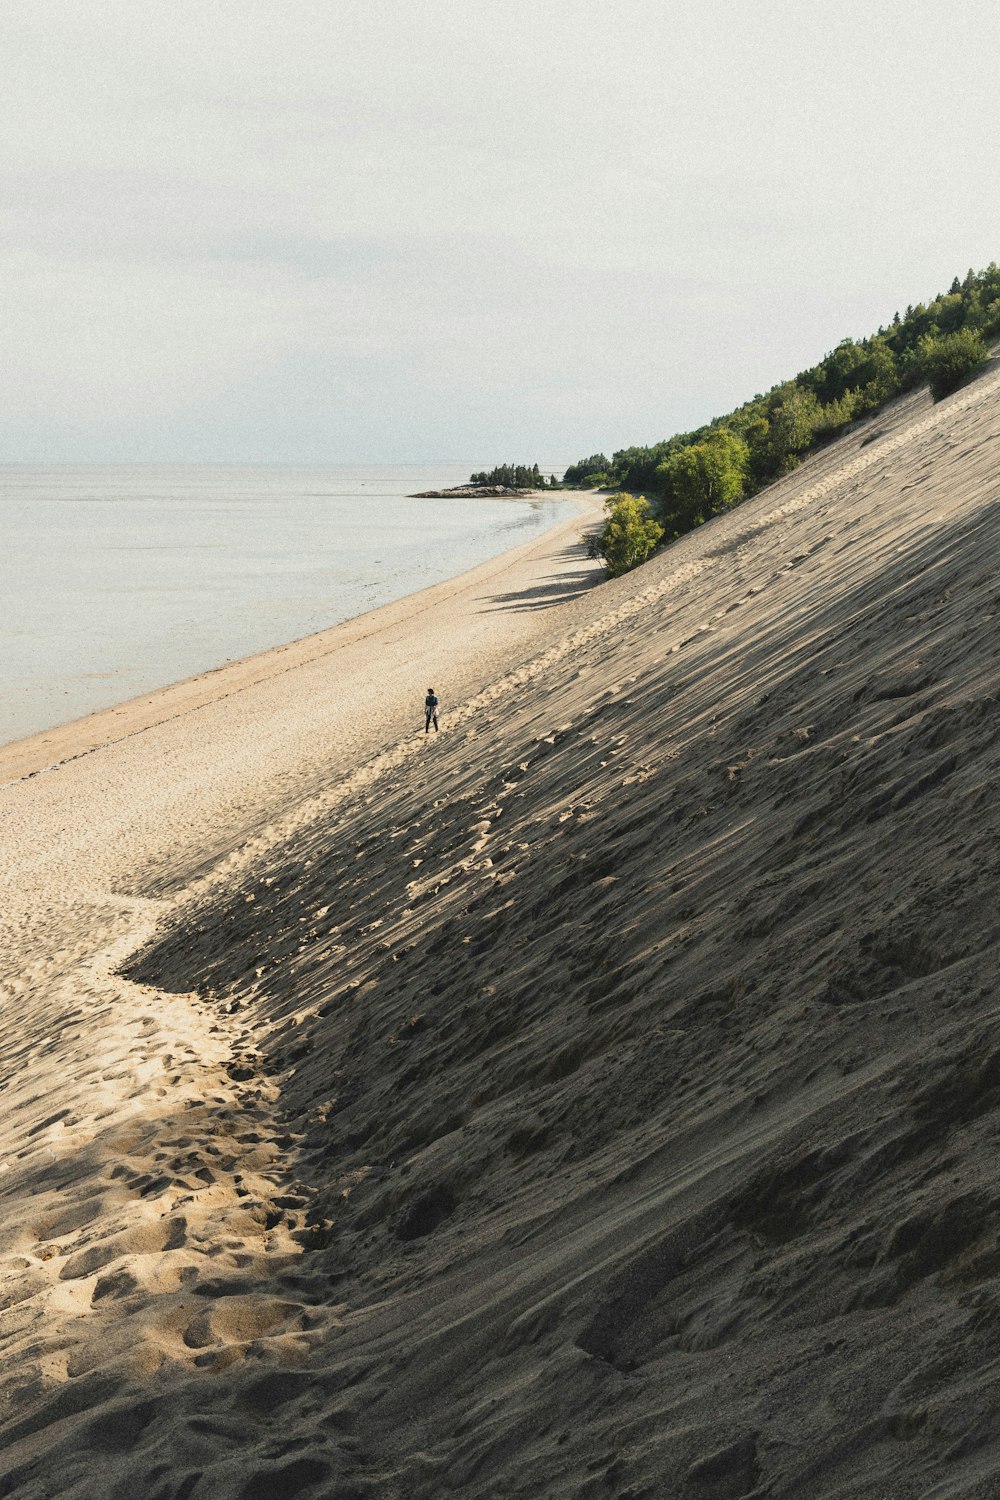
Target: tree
(838, 372)
(701, 480)
(793, 420)
(878, 379)
(588, 472)
(629, 535)
(946, 361)
(514, 476)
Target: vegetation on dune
(629, 534)
(948, 360)
(697, 482)
(695, 475)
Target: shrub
(629, 534)
(946, 361)
(702, 480)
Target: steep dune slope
(636, 1046)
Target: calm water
(114, 581)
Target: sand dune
(597, 1099)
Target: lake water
(117, 580)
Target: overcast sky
(363, 230)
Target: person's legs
(435, 721)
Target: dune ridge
(598, 1099)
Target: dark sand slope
(636, 1050)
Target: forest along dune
(599, 1098)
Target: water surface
(118, 580)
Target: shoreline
(45, 750)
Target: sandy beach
(597, 1099)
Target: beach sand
(598, 1098)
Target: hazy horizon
(310, 235)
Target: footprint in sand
(151, 1238)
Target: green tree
(837, 373)
(703, 479)
(515, 476)
(832, 418)
(629, 535)
(794, 417)
(635, 469)
(878, 378)
(946, 361)
(589, 472)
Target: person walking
(430, 711)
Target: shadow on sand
(557, 588)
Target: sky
(363, 231)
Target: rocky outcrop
(471, 491)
